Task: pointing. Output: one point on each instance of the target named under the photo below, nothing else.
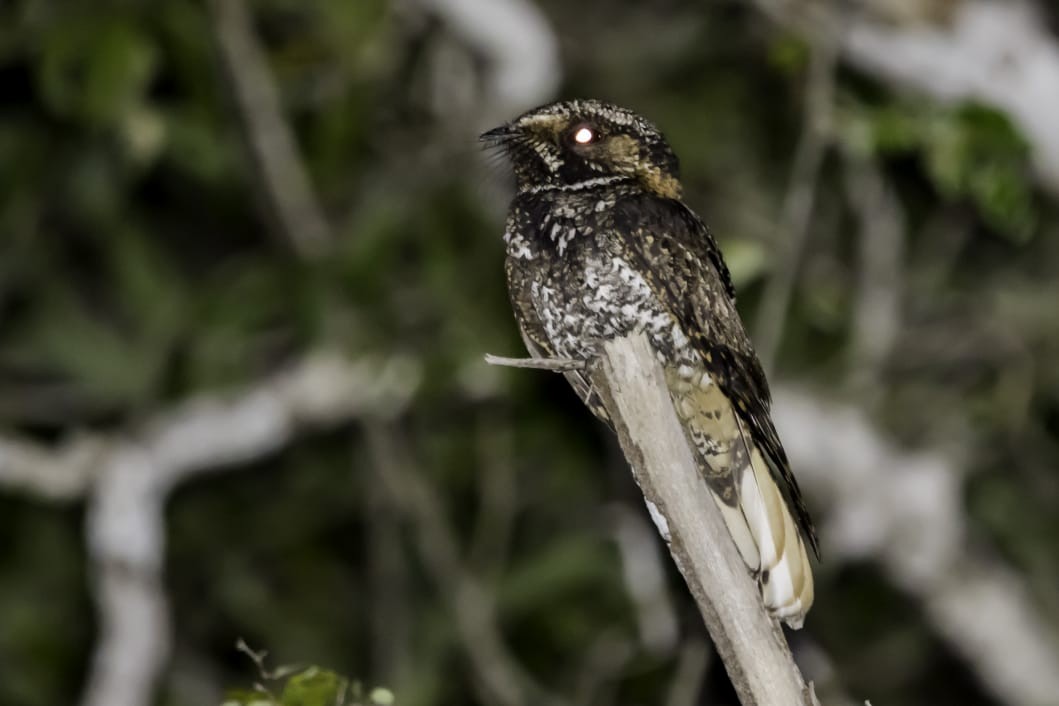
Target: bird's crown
(579, 144)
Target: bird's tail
(769, 542)
(751, 503)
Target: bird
(599, 244)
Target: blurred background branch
(284, 181)
(903, 510)
(129, 478)
(520, 49)
(500, 677)
(795, 218)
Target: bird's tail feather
(782, 562)
(745, 491)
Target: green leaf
(971, 152)
(315, 687)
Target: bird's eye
(584, 134)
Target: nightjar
(599, 244)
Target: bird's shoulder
(680, 260)
(670, 222)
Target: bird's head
(574, 144)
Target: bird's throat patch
(624, 150)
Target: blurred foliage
(969, 152)
(136, 269)
(309, 686)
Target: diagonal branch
(283, 181)
(750, 643)
(501, 679)
(796, 217)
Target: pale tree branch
(126, 537)
(214, 431)
(905, 510)
(880, 239)
(283, 181)
(128, 476)
(750, 643)
(645, 580)
(520, 49)
(998, 52)
(692, 668)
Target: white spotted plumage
(598, 249)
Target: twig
(877, 309)
(498, 499)
(500, 678)
(282, 178)
(691, 671)
(751, 645)
(556, 365)
(797, 211)
(645, 580)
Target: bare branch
(750, 643)
(127, 478)
(645, 579)
(212, 432)
(877, 309)
(691, 671)
(501, 679)
(63, 473)
(795, 219)
(126, 534)
(282, 178)
(520, 49)
(905, 510)
(995, 51)
(557, 365)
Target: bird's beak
(498, 134)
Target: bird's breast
(591, 297)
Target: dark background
(198, 198)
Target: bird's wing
(685, 270)
(725, 407)
(536, 340)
